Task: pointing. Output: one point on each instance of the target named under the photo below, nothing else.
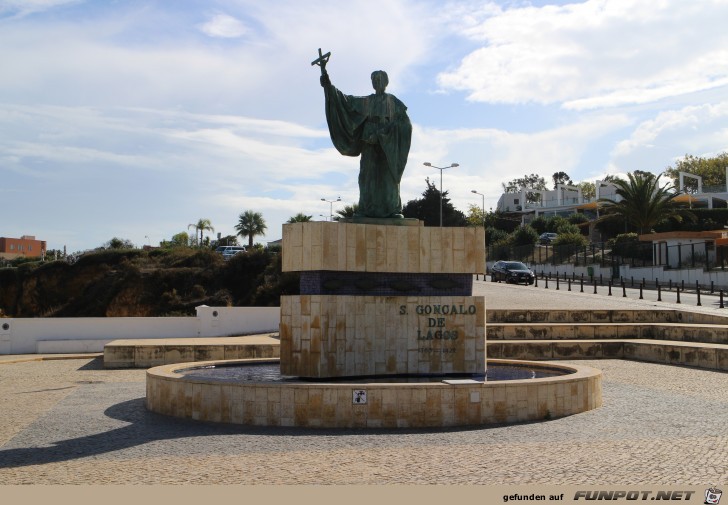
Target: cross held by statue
(322, 60)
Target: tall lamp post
(483, 197)
(452, 165)
(331, 207)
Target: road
(500, 295)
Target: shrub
(109, 257)
(629, 246)
(494, 235)
(571, 238)
(554, 223)
(539, 224)
(567, 229)
(578, 218)
(198, 291)
(524, 235)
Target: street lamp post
(331, 207)
(483, 216)
(483, 196)
(452, 165)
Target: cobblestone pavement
(72, 422)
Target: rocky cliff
(142, 283)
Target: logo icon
(359, 396)
(712, 496)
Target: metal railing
(636, 254)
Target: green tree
(118, 243)
(299, 218)
(227, 240)
(532, 181)
(181, 239)
(588, 189)
(476, 217)
(250, 224)
(561, 178)
(712, 170)
(644, 203)
(427, 208)
(200, 227)
(347, 212)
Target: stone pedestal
(382, 300)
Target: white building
(562, 201)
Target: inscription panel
(334, 336)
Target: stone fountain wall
(382, 300)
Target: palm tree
(347, 212)
(300, 218)
(201, 226)
(251, 224)
(643, 202)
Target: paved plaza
(72, 422)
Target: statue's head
(380, 80)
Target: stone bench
(705, 333)
(146, 353)
(499, 316)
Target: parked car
(228, 251)
(513, 272)
(547, 238)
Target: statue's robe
(377, 128)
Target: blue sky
(135, 118)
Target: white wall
(90, 334)
(689, 275)
(569, 270)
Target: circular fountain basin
(222, 391)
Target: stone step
(693, 354)
(706, 333)
(603, 316)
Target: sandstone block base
(343, 336)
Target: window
(12, 247)
(516, 201)
(30, 247)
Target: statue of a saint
(377, 128)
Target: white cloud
(655, 143)
(22, 8)
(688, 124)
(224, 26)
(599, 53)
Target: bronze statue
(377, 128)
